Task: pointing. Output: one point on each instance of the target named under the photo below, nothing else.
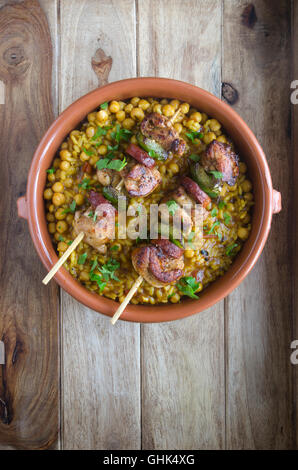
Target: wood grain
(29, 314)
(256, 61)
(101, 363)
(183, 362)
(294, 227)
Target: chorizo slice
(194, 190)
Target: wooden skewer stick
(119, 185)
(175, 115)
(63, 258)
(130, 294)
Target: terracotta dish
(267, 200)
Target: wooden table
(218, 380)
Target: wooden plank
(183, 362)
(101, 370)
(295, 211)
(29, 319)
(256, 61)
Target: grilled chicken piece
(108, 177)
(159, 128)
(97, 222)
(140, 180)
(181, 214)
(160, 263)
(220, 157)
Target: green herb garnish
(85, 184)
(172, 206)
(94, 264)
(227, 218)
(213, 227)
(114, 248)
(51, 171)
(100, 131)
(192, 135)
(82, 258)
(117, 165)
(60, 238)
(221, 204)
(98, 279)
(194, 157)
(69, 242)
(230, 248)
(108, 269)
(214, 212)
(104, 105)
(188, 286)
(88, 152)
(120, 134)
(71, 208)
(217, 174)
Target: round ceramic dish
(267, 200)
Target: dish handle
(22, 207)
(276, 202)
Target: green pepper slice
(204, 180)
(153, 149)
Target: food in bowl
(152, 151)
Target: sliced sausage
(140, 155)
(194, 190)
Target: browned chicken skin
(98, 224)
(157, 127)
(220, 157)
(160, 263)
(140, 180)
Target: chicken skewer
(95, 232)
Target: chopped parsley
(104, 105)
(94, 264)
(192, 135)
(114, 248)
(92, 215)
(108, 269)
(69, 242)
(213, 227)
(194, 157)
(71, 208)
(188, 286)
(51, 171)
(217, 174)
(221, 204)
(100, 131)
(117, 165)
(85, 184)
(171, 295)
(82, 258)
(98, 279)
(214, 212)
(230, 248)
(172, 206)
(111, 151)
(227, 218)
(120, 134)
(88, 152)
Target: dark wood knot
(249, 17)
(14, 55)
(229, 93)
(101, 64)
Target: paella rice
(109, 130)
